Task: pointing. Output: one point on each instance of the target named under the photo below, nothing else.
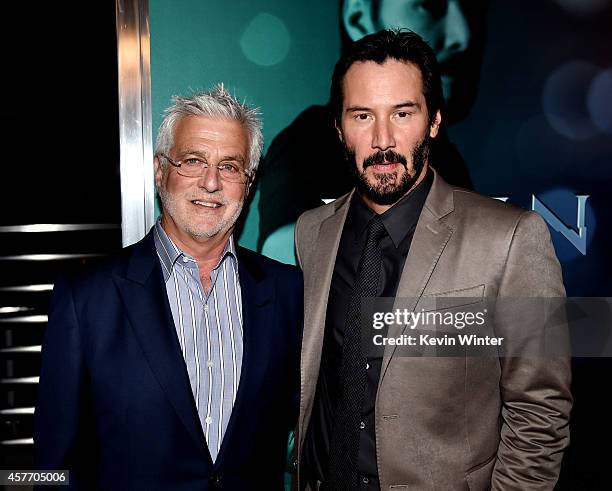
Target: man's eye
(362, 117)
(193, 162)
(402, 115)
(228, 168)
(435, 8)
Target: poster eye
(435, 8)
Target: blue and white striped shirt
(209, 330)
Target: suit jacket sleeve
(60, 417)
(535, 389)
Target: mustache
(381, 157)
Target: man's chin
(214, 226)
(204, 233)
(386, 194)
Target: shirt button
(367, 366)
(208, 420)
(185, 259)
(365, 480)
(211, 364)
(361, 425)
(206, 308)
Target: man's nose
(383, 135)
(457, 33)
(210, 180)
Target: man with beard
(455, 29)
(175, 364)
(383, 420)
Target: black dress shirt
(400, 222)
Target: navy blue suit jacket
(115, 406)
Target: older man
(403, 419)
(175, 364)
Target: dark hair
(398, 44)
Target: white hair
(215, 103)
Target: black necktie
(344, 446)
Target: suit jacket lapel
(146, 302)
(430, 238)
(257, 291)
(316, 303)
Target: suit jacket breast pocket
(453, 310)
(479, 477)
(454, 298)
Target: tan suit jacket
(464, 422)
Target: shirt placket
(210, 359)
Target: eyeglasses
(195, 167)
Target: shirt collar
(399, 219)
(169, 253)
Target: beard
(388, 188)
(171, 206)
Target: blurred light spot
(564, 100)
(583, 7)
(266, 40)
(599, 100)
(542, 151)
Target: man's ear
(435, 125)
(159, 172)
(339, 130)
(357, 18)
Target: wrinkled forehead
(208, 135)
